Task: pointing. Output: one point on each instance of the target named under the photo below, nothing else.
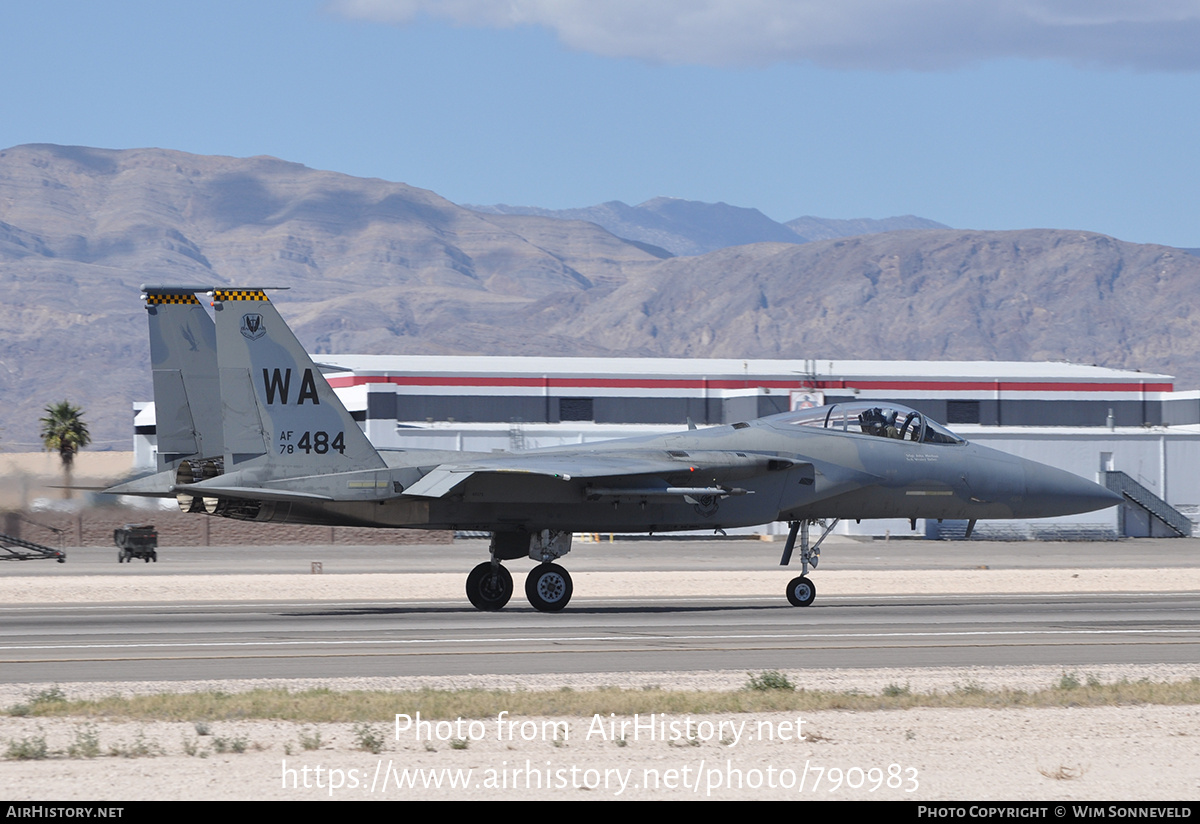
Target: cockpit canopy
(883, 420)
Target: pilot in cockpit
(875, 421)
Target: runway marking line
(609, 638)
(579, 600)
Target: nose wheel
(489, 586)
(801, 592)
(548, 587)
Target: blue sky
(996, 114)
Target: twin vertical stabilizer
(187, 395)
(240, 395)
(277, 408)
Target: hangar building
(1131, 430)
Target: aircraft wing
(710, 467)
(626, 473)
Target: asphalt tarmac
(667, 555)
(703, 626)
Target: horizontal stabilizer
(157, 485)
(253, 493)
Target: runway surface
(330, 640)
(706, 630)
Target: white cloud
(861, 34)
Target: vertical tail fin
(183, 355)
(279, 412)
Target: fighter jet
(281, 447)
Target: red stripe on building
(700, 384)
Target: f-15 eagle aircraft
(249, 428)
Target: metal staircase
(1138, 495)
(15, 549)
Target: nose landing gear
(800, 591)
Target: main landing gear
(548, 586)
(800, 590)
(489, 586)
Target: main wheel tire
(801, 592)
(488, 590)
(548, 587)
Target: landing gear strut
(800, 590)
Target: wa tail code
(279, 382)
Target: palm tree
(63, 430)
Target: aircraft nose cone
(1053, 492)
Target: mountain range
(689, 227)
(381, 267)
